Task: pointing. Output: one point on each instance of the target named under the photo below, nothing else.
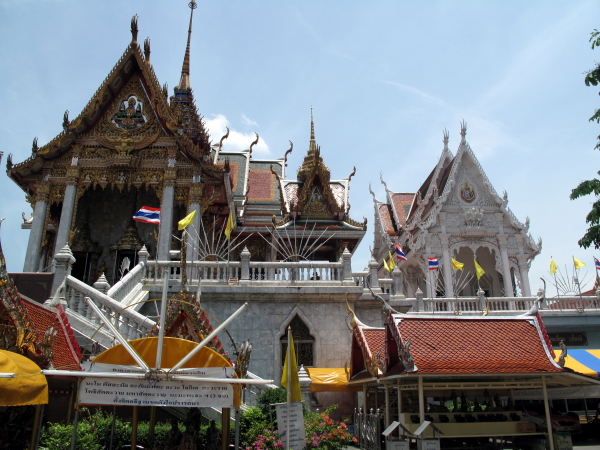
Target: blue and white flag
(433, 263)
(399, 253)
(148, 215)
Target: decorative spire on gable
(313, 157)
(446, 139)
(184, 81)
(463, 132)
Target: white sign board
(563, 442)
(127, 391)
(397, 445)
(428, 444)
(187, 394)
(291, 412)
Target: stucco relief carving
(435, 244)
(511, 244)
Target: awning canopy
(586, 362)
(330, 380)
(27, 387)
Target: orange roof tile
(477, 344)
(385, 217)
(66, 349)
(401, 204)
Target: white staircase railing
(128, 284)
(132, 324)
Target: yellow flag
(391, 264)
(478, 270)
(578, 264)
(385, 265)
(186, 220)
(553, 266)
(457, 265)
(294, 388)
(230, 225)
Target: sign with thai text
(291, 412)
(128, 391)
(124, 391)
(428, 444)
(570, 339)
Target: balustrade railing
(367, 429)
(132, 324)
(360, 278)
(520, 304)
(197, 270)
(126, 285)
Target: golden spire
(313, 143)
(184, 82)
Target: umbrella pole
(112, 428)
(39, 430)
(237, 428)
(152, 424)
(134, 427)
(225, 421)
(75, 422)
(36, 427)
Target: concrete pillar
(524, 269)
(421, 400)
(245, 257)
(63, 262)
(66, 217)
(447, 266)
(347, 265)
(420, 303)
(373, 276)
(387, 406)
(508, 287)
(397, 277)
(32, 257)
(305, 383)
(166, 223)
(143, 259)
(102, 284)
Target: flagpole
(578, 284)
(555, 283)
(289, 386)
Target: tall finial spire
(313, 143)
(184, 82)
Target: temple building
(456, 214)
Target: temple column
(447, 266)
(66, 215)
(194, 228)
(32, 257)
(524, 269)
(166, 212)
(430, 277)
(508, 287)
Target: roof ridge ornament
(184, 81)
(463, 131)
(446, 139)
(253, 143)
(134, 28)
(147, 50)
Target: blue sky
(384, 78)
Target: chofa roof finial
(147, 50)
(134, 28)
(446, 138)
(463, 131)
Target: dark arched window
(303, 343)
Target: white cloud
(248, 121)
(237, 141)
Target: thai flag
(148, 215)
(433, 263)
(597, 263)
(399, 253)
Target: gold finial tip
(193, 4)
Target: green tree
(587, 187)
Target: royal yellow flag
(553, 266)
(478, 270)
(230, 225)
(457, 265)
(391, 264)
(290, 358)
(186, 220)
(385, 265)
(578, 264)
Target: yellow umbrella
(27, 387)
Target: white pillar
(387, 405)
(365, 398)
(421, 401)
(548, 416)
(32, 257)
(447, 266)
(66, 217)
(524, 269)
(508, 287)
(166, 223)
